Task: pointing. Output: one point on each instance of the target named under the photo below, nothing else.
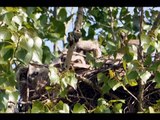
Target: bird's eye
(35, 73)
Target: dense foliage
(24, 32)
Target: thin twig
(112, 24)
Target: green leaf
(30, 10)
(158, 46)
(105, 88)
(43, 20)
(13, 95)
(11, 9)
(4, 34)
(69, 18)
(124, 65)
(102, 109)
(111, 45)
(102, 101)
(150, 50)
(154, 66)
(8, 54)
(68, 78)
(132, 75)
(27, 43)
(123, 12)
(112, 83)
(18, 20)
(53, 75)
(116, 86)
(38, 42)
(78, 108)
(62, 15)
(151, 109)
(21, 53)
(91, 33)
(128, 57)
(157, 77)
(148, 60)
(8, 17)
(47, 55)
(28, 57)
(116, 101)
(58, 27)
(147, 13)
(65, 108)
(101, 77)
(37, 107)
(3, 99)
(144, 41)
(132, 82)
(117, 108)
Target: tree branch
(73, 37)
(140, 58)
(112, 24)
(55, 16)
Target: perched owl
(38, 79)
(32, 81)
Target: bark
(140, 58)
(76, 34)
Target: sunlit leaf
(17, 19)
(117, 108)
(112, 83)
(53, 75)
(11, 9)
(8, 17)
(37, 55)
(116, 86)
(151, 109)
(124, 64)
(111, 74)
(144, 41)
(4, 34)
(132, 82)
(102, 101)
(78, 108)
(37, 107)
(28, 57)
(102, 109)
(65, 108)
(38, 42)
(26, 43)
(145, 76)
